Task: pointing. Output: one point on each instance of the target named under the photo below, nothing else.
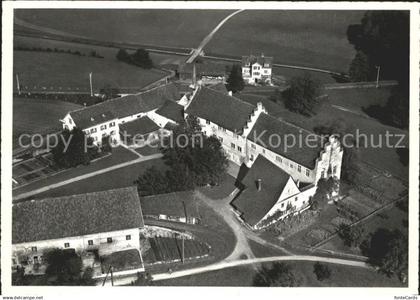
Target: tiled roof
(171, 204)
(173, 111)
(281, 131)
(126, 106)
(254, 204)
(224, 110)
(252, 59)
(220, 87)
(76, 215)
(141, 125)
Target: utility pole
(378, 68)
(183, 238)
(91, 85)
(18, 83)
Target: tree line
(140, 58)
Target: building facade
(257, 69)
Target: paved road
(230, 264)
(207, 39)
(85, 176)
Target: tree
(64, 267)
(325, 189)
(302, 96)
(192, 159)
(144, 279)
(122, 55)
(280, 274)
(387, 250)
(351, 235)
(383, 36)
(152, 182)
(359, 68)
(235, 82)
(142, 59)
(322, 271)
(73, 148)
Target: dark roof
(75, 215)
(139, 126)
(126, 106)
(301, 153)
(254, 204)
(204, 69)
(170, 204)
(221, 109)
(173, 111)
(220, 87)
(252, 59)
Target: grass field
(122, 177)
(243, 276)
(176, 28)
(38, 115)
(310, 38)
(58, 72)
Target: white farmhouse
(101, 222)
(248, 134)
(104, 119)
(257, 69)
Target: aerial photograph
(210, 147)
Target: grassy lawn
(38, 115)
(122, 177)
(221, 191)
(63, 72)
(109, 53)
(342, 276)
(391, 219)
(121, 260)
(355, 99)
(316, 39)
(143, 26)
(119, 155)
(148, 150)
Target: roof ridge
(120, 98)
(163, 194)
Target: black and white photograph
(210, 145)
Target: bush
(322, 271)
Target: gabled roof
(220, 87)
(252, 59)
(76, 215)
(301, 152)
(171, 204)
(143, 125)
(173, 111)
(126, 106)
(254, 204)
(226, 111)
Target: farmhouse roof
(305, 150)
(226, 111)
(220, 87)
(254, 204)
(126, 106)
(173, 111)
(76, 215)
(171, 204)
(262, 60)
(142, 125)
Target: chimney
(230, 93)
(298, 183)
(259, 184)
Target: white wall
(80, 243)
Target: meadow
(38, 115)
(176, 28)
(309, 38)
(60, 72)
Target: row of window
(90, 242)
(103, 127)
(233, 146)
